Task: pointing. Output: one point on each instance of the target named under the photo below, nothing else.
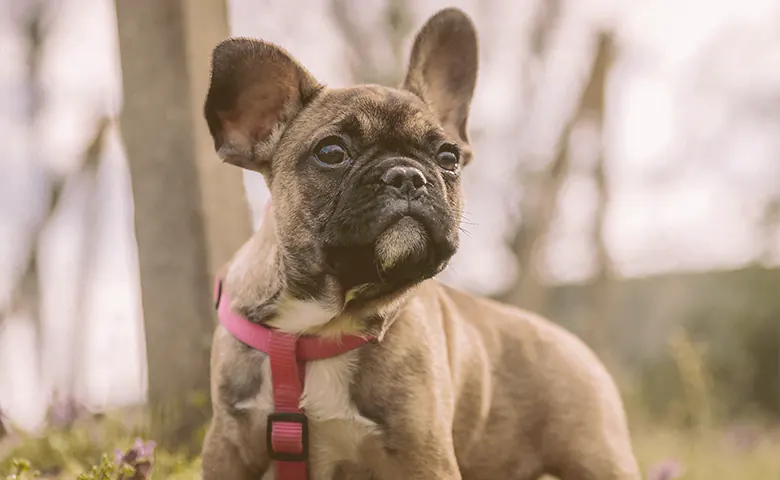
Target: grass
(104, 447)
(688, 445)
(89, 448)
(710, 455)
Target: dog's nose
(404, 178)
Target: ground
(665, 453)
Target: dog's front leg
(222, 459)
(430, 457)
(403, 385)
(419, 462)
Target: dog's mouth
(404, 249)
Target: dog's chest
(336, 427)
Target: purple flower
(144, 449)
(665, 470)
(119, 457)
(139, 457)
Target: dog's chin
(405, 253)
(403, 243)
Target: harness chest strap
(287, 432)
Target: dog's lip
(387, 212)
(410, 213)
(407, 207)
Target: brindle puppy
(365, 184)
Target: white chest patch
(299, 315)
(325, 393)
(336, 427)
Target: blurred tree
(190, 210)
(592, 110)
(365, 45)
(36, 18)
(539, 203)
(88, 172)
(540, 189)
(25, 300)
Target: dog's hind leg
(599, 456)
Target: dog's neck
(259, 281)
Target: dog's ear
(443, 68)
(256, 90)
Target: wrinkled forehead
(374, 113)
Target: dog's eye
(331, 153)
(448, 157)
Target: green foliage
(736, 329)
(108, 470)
(705, 454)
(83, 450)
(743, 334)
(21, 470)
(708, 452)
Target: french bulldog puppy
(365, 183)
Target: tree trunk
(593, 106)
(190, 211)
(26, 294)
(538, 214)
(90, 169)
(541, 204)
(541, 191)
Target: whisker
(465, 218)
(463, 230)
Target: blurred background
(626, 184)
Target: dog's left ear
(443, 68)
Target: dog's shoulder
(491, 316)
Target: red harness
(287, 431)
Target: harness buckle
(276, 418)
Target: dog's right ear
(443, 69)
(256, 90)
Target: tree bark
(541, 204)
(190, 211)
(593, 108)
(540, 199)
(530, 240)
(89, 171)
(26, 294)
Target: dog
(366, 207)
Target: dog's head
(365, 181)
